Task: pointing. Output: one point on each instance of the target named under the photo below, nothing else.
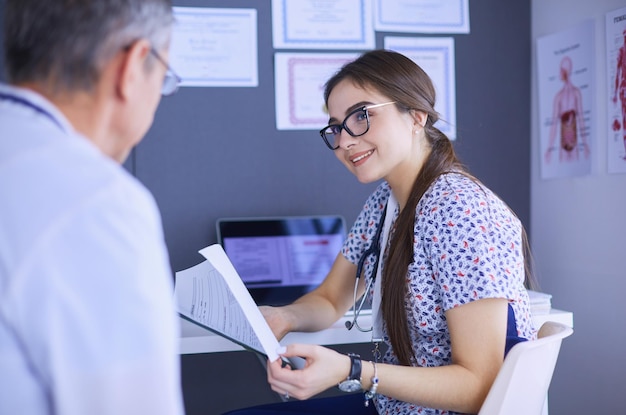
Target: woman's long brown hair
(399, 78)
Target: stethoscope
(36, 108)
(374, 249)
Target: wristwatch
(353, 381)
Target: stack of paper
(540, 303)
(213, 296)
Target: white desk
(195, 339)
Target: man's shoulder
(83, 172)
(53, 184)
(106, 189)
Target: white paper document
(212, 295)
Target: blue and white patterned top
(468, 246)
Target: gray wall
(579, 230)
(215, 152)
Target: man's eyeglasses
(171, 80)
(356, 124)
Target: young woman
(448, 280)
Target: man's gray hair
(65, 43)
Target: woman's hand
(324, 368)
(317, 309)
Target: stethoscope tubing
(373, 249)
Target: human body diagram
(620, 90)
(568, 119)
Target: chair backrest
(522, 383)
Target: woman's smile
(360, 158)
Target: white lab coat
(87, 320)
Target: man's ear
(132, 67)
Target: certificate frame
(435, 55)
(300, 80)
(344, 24)
(422, 16)
(215, 46)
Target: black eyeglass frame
(344, 126)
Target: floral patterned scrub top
(468, 246)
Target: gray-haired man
(87, 323)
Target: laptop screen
(281, 258)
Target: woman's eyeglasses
(356, 124)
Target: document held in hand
(213, 296)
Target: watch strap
(355, 366)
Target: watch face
(350, 385)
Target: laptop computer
(281, 258)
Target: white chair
(521, 387)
